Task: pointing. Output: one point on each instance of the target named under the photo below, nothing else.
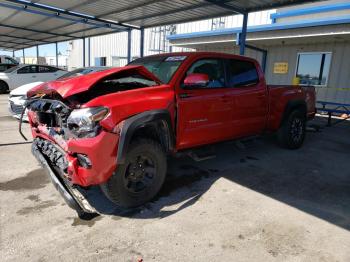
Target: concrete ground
(253, 203)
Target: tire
(4, 88)
(133, 185)
(292, 132)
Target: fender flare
(291, 105)
(140, 120)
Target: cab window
(241, 73)
(213, 68)
(27, 70)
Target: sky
(44, 50)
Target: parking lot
(253, 202)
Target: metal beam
(278, 4)
(37, 54)
(227, 6)
(142, 42)
(131, 7)
(25, 8)
(14, 43)
(89, 52)
(243, 35)
(181, 9)
(70, 13)
(56, 48)
(129, 47)
(25, 38)
(38, 31)
(84, 52)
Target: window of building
(313, 68)
(100, 61)
(242, 73)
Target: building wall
(338, 88)
(32, 60)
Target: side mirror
(196, 80)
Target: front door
(203, 113)
(25, 75)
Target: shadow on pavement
(314, 179)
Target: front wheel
(140, 178)
(292, 132)
(3, 87)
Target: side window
(100, 61)
(27, 70)
(241, 73)
(46, 69)
(213, 68)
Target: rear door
(203, 113)
(248, 93)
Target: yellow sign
(280, 68)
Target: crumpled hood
(70, 86)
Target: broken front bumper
(71, 195)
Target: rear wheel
(292, 132)
(140, 178)
(3, 87)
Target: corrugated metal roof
(28, 23)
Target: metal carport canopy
(25, 24)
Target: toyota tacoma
(115, 128)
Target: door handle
(185, 95)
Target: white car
(18, 96)
(25, 74)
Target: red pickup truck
(115, 128)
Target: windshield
(12, 69)
(162, 67)
(82, 71)
(77, 72)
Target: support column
(56, 46)
(243, 35)
(37, 54)
(84, 52)
(13, 54)
(129, 46)
(263, 62)
(24, 57)
(89, 52)
(142, 42)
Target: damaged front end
(76, 125)
(52, 116)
